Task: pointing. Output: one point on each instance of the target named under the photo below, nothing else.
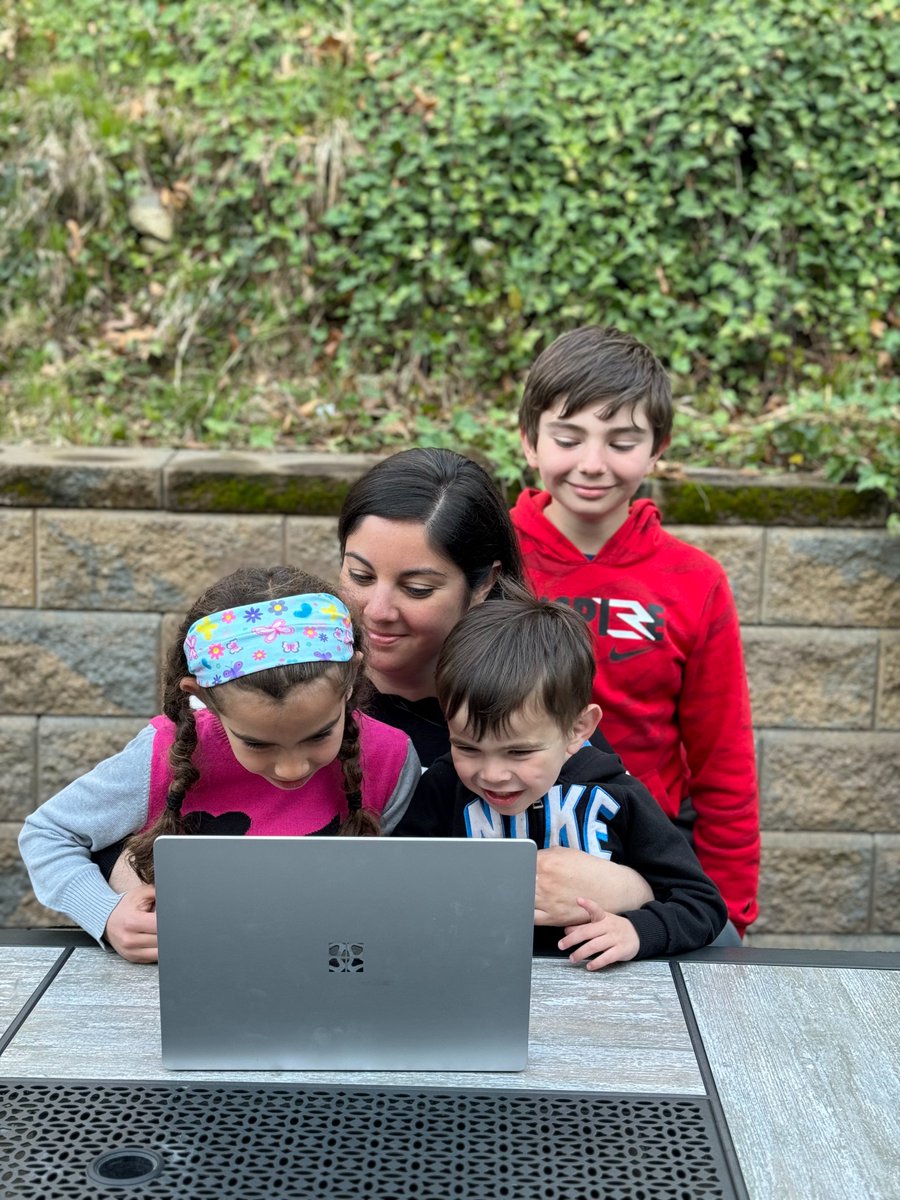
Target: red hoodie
(670, 677)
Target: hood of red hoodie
(548, 549)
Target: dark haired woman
(425, 536)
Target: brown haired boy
(595, 417)
(514, 682)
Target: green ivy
(439, 190)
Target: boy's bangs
(506, 656)
(489, 709)
(591, 365)
(490, 706)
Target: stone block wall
(102, 551)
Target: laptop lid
(344, 953)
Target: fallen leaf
(181, 194)
(427, 101)
(286, 68)
(667, 470)
(177, 196)
(130, 340)
(334, 46)
(8, 44)
(76, 240)
(126, 320)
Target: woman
(425, 535)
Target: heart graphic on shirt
(328, 830)
(236, 824)
(229, 824)
(305, 610)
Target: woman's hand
(564, 874)
(131, 927)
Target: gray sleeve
(410, 774)
(97, 810)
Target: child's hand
(131, 927)
(610, 938)
(564, 873)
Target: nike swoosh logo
(621, 655)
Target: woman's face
(409, 597)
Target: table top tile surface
(22, 968)
(619, 1030)
(806, 1061)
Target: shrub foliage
(370, 219)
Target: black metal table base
(59, 1141)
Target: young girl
(278, 748)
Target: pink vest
(225, 786)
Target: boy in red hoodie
(595, 416)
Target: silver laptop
(339, 953)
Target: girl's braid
(177, 707)
(361, 822)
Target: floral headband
(274, 633)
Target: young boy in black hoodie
(514, 681)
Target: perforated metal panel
(86, 1141)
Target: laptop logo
(346, 958)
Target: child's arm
(565, 874)
(562, 874)
(97, 810)
(717, 735)
(686, 911)
(404, 789)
